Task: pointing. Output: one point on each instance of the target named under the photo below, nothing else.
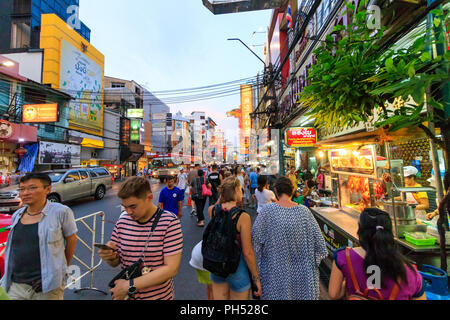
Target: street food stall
(366, 170)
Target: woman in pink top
(378, 253)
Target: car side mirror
(67, 180)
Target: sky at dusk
(172, 45)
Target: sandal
(201, 224)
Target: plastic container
(436, 283)
(420, 238)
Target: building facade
(21, 22)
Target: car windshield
(56, 176)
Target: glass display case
(359, 185)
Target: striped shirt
(131, 236)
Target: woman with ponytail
(377, 263)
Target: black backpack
(220, 248)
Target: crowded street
(241, 151)
(186, 285)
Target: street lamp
(237, 39)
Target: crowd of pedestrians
(276, 257)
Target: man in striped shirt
(130, 242)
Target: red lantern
(21, 151)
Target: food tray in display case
(354, 161)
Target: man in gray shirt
(191, 177)
(40, 245)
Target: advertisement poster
(58, 153)
(82, 79)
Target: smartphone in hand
(103, 246)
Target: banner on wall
(59, 153)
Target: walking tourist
(171, 198)
(215, 179)
(193, 174)
(203, 275)
(236, 286)
(253, 178)
(40, 245)
(198, 197)
(289, 247)
(182, 181)
(262, 194)
(132, 240)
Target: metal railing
(92, 267)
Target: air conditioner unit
(94, 154)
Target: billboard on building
(246, 123)
(82, 78)
(59, 153)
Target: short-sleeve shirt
(214, 179)
(192, 175)
(263, 198)
(412, 289)
(419, 195)
(170, 198)
(253, 177)
(130, 237)
(58, 222)
(182, 177)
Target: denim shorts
(238, 281)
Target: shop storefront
(13, 138)
(366, 169)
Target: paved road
(186, 284)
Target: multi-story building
(161, 122)
(198, 123)
(181, 139)
(202, 138)
(36, 34)
(20, 23)
(126, 98)
(23, 105)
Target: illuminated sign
(246, 122)
(125, 131)
(301, 137)
(33, 113)
(135, 113)
(135, 126)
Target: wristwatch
(132, 289)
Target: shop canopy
(379, 136)
(91, 143)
